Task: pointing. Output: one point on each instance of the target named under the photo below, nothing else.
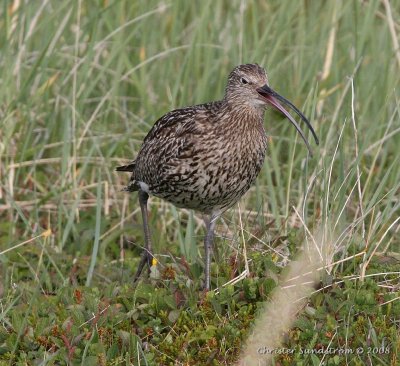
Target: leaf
(315, 360)
(173, 315)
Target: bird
(206, 157)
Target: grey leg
(208, 244)
(147, 253)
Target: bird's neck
(243, 116)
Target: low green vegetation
(81, 84)
(167, 321)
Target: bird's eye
(243, 81)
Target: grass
(81, 84)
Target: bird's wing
(169, 145)
(169, 126)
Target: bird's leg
(208, 246)
(147, 252)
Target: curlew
(205, 157)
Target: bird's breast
(213, 172)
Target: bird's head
(248, 87)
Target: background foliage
(81, 84)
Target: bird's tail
(132, 185)
(126, 168)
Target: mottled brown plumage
(205, 157)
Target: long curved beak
(273, 98)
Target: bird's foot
(147, 258)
